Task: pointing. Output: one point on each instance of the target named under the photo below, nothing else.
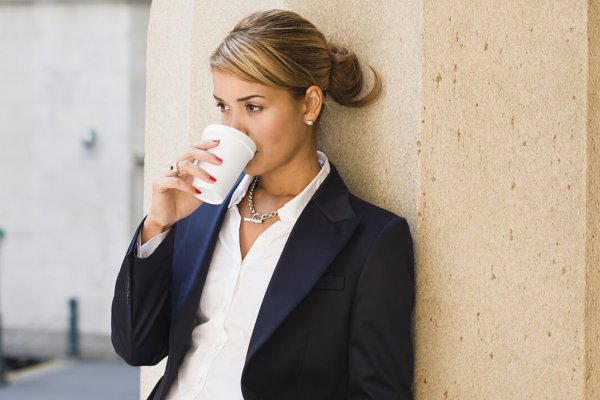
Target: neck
(290, 180)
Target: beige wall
(592, 240)
(481, 140)
(502, 227)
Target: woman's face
(271, 117)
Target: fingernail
(218, 159)
(197, 191)
(216, 140)
(212, 179)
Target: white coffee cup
(236, 149)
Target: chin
(251, 169)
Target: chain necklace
(256, 217)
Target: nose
(234, 121)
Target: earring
(309, 122)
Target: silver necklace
(256, 217)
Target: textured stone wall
(502, 212)
(592, 240)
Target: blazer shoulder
(373, 215)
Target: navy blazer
(335, 321)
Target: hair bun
(346, 79)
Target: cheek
(270, 133)
(276, 132)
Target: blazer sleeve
(380, 350)
(141, 307)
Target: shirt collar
(240, 191)
(293, 208)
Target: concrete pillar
(508, 212)
(592, 216)
(482, 140)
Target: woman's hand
(173, 195)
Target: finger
(164, 184)
(172, 170)
(206, 144)
(191, 168)
(199, 151)
(202, 155)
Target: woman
(313, 303)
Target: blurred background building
(72, 90)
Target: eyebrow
(242, 98)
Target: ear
(313, 102)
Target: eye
(222, 107)
(253, 107)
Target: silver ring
(174, 168)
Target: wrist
(152, 228)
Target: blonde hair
(281, 49)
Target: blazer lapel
(322, 230)
(192, 256)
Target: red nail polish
(218, 159)
(216, 140)
(197, 191)
(212, 179)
